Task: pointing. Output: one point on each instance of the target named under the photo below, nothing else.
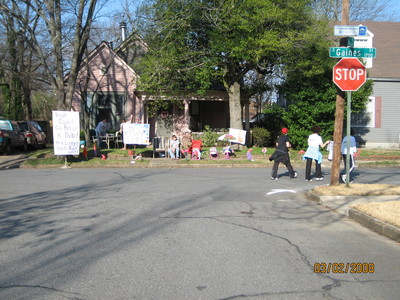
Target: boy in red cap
(281, 155)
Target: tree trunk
(235, 109)
(27, 103)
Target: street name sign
(352, 52)
(349, 30)
(349, 74)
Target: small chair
(196, 149)
(160, 144)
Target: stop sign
(349, 74)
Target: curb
(374, 224)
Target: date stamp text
(344, 268)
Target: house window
(111, 100)
(365, 118)
(108, 105)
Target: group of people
(191, 148)
(103, 126)
(313, 153)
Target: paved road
(223, 233)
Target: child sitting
(213, 152)
(249, 155)
(228, 151)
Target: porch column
(186, 125)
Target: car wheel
(35, 145)
(7, 149)
(25, 146)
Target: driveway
(12, 161)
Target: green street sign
(352, 52)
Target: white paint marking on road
(277, 191)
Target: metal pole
(348, 138)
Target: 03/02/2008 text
(353, 268)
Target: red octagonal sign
(349, 74)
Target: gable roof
(386, 40)
(101, 48)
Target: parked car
(34, 134)
(11, 136)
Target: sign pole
(65, 166)
(348, 138)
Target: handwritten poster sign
(240, 136)
(136, 134)
(66, 132)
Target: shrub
(260, 136)
(209, 137)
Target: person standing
(330, 151)
(353, 149)
(121, 132)
(281, 155)
(101, 130)
(313, 153)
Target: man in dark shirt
(281, 155)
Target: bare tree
(360, 10)
(58, 17)
(19, 63)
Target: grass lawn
(118, 156)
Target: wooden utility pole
(339, 113)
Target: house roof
(386, 40)
(99, 49)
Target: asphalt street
(221, 233)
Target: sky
(396, 7)
(117, 4)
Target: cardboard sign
(240, 135)
(136, 134)
(66, 132)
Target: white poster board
(66, 132)
(136, 134)
(239, 135)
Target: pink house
(107, 88)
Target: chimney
(122, 25)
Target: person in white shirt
(313, 153)
(353, 149)
(174, 147)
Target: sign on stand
(66, 132)
(136, 134)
